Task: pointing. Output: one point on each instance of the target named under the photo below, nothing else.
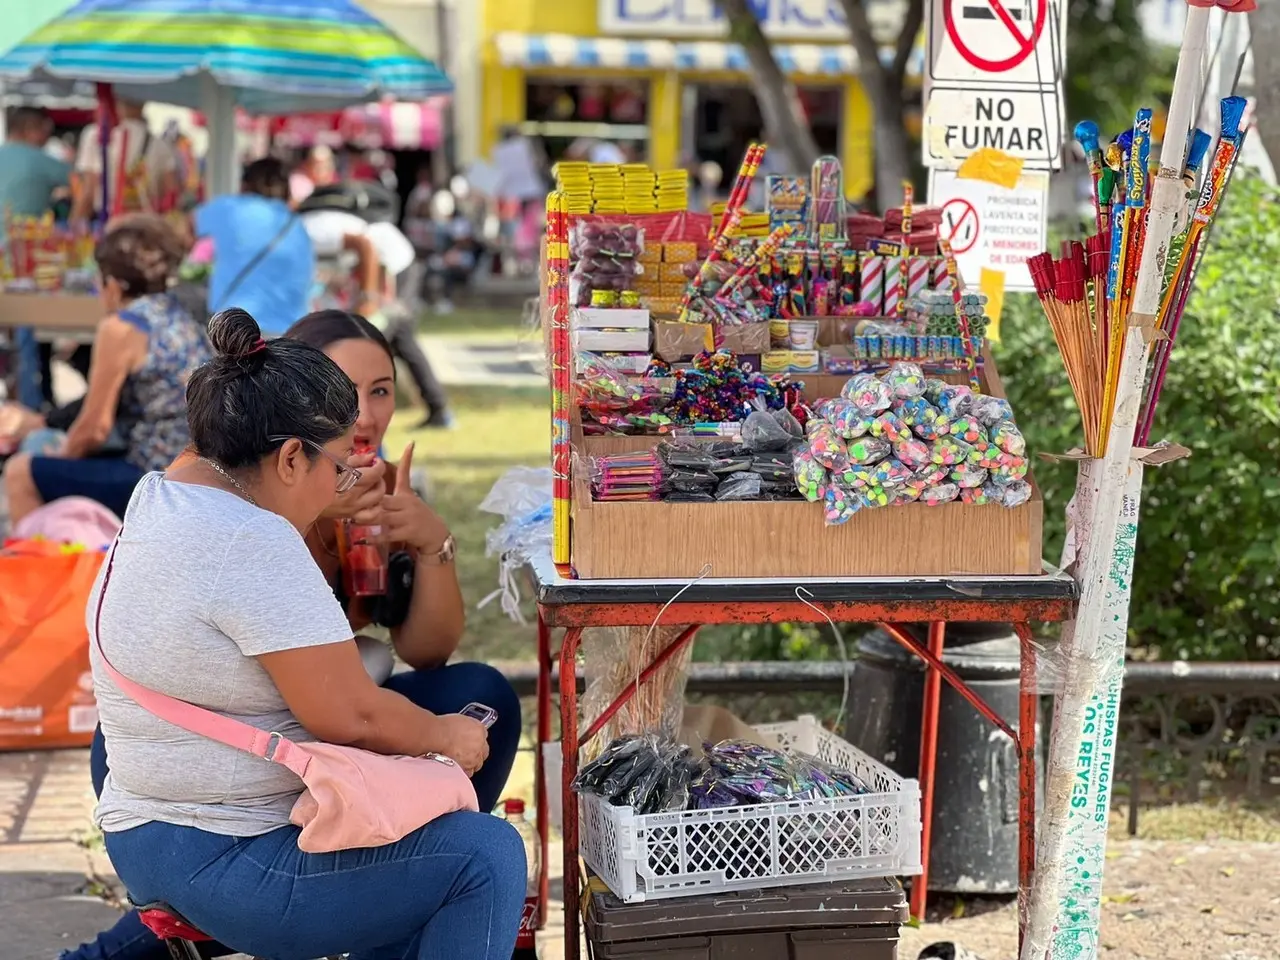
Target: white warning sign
(992, 226)
(1023, 124)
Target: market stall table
(52, 315)
(574, 605)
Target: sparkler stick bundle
(1088, 294)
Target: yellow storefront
(665, 73)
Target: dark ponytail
(253, 389)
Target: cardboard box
(669, 289)
(69, 312)
(663, 308)
(647, 286)
(788, 539)
(747, 338)
(673, 273)
(610, 318)
(619, 341)
(682, 251)
(674, 341)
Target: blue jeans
(384, 872)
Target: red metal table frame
(575, 605)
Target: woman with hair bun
(215, 598)
(144, 350)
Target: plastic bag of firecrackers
(605, 262)
(710, 397)
(900, 438)
(653, 774)
(613, 403)
(757, 465)
(46, 257)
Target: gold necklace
(217, 468)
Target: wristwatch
(444, 556)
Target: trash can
(857, 920)
(975, 799)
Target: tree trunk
(884, 87)
(786, 127)
(1264, 28)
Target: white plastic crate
(693, 852)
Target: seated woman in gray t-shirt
(215, 599)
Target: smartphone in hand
(478, 711)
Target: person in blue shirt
(263, 261)
(29, 177)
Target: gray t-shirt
(203, 582)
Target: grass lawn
(497, 429)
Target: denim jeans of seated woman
(446, 690)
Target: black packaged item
(772, 466)
(688, 496)
(761, 431)
(739, 486)
(735, 464)
(621, 751)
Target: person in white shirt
(150, 166)
(388, 293)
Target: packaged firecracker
(868, 393)
(797, 304)
(849, 294)
(840, 504)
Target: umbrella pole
(221, 171)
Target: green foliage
(1209, 540)
(1112, 71)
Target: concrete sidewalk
(1164, 900)
(57, 888)
(52, 884)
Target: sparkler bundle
(1087, 293)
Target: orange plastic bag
(46, 689)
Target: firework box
(675, 341)
(657, 540)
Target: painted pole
(1106, 482)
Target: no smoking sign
(960, 225)
(996, 41)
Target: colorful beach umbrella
(267, 56)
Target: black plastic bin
(854, 920)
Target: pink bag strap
(205, 723)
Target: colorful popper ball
(810, 475)
(939, 494)
(868, 449)
(840, 504)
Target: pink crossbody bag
(353, 798)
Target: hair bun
(234, 333)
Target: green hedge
(1209, 540)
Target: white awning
(561, 50)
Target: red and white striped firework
(871, 280)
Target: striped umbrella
(267, 56)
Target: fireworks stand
(852, 461)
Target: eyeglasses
(348, 477)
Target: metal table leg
(539, 768)
(569, 747)
(928, 765)
(1028, 719)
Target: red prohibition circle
(955, 213)
(1026, 45)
